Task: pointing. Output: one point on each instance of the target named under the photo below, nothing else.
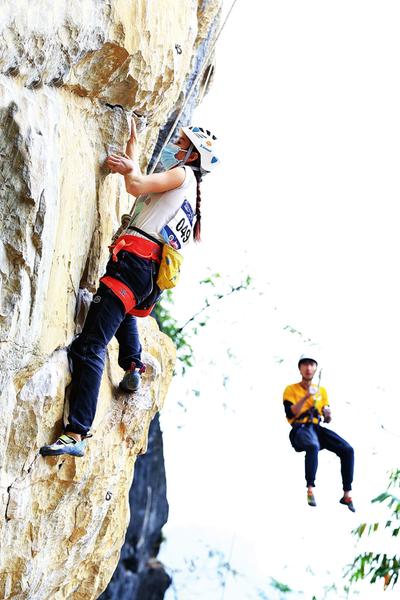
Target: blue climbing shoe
(311, 499)
(132, 379)
(64, 445)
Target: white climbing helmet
(307, 356)
(204, 142)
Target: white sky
(306, 106)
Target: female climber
(167, 214)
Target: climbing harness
(176, 233)
(168, 258)
(178, 230)
(307, 417)
(150, 249)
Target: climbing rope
(174, 124)
(195, 81)
(319, 378)
(313, 411)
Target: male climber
(305, 405)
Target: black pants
(311, 439)
(106, 318)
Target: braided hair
(204, 164)
(199, 177)
(197, 225)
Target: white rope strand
(195, 81)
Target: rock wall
(72, 74)
(139, 575)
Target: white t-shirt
(169, 216)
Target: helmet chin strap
(188, 153)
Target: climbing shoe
(132, 379)
(64, 445)
(348, 502)
(311, 499)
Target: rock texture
(139, 575)
(72, 73)
(64, 519)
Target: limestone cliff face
(72, 72)
(139, 575)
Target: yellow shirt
(295, 392)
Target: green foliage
(219, 294)
(282, 587)
(295, 331)
(169, 326)
(182, 334)
(380, 566)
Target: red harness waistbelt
(143, 248)
(136, 245)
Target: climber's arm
(297, 408)
(137, 184)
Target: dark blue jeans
(106, 317)
(313, 438)
(87, 353)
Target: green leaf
(360, 530)
(282, 587)
(381, 497)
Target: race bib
(177, 231)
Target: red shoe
(347, 501)
(132, 379)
